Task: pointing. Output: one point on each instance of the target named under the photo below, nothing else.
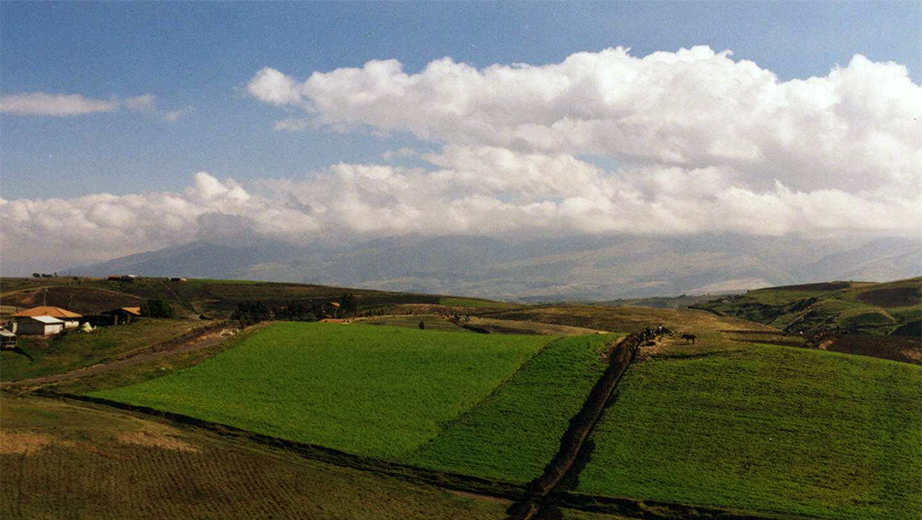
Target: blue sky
(198, 56)
(132, 126)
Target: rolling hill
(579, 268)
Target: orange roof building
(47, 310)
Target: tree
(348, 304)
(157, 309)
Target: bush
(157, 309)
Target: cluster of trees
(257, 311)
(157, 309)
(249, 313)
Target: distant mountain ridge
(586, 267)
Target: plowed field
(61, 461)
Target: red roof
(55, 312)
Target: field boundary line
(581, 426)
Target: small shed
(39, 325)
(124, 314)
(7, 339)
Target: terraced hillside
(846, 307)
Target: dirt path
(208, 338)
(581, 426)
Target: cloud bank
(64, 105)
(671, 143)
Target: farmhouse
(39, 325)
(70, 320)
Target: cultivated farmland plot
(369, 390)
(780, 431)
(766, 428)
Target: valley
(399, 406)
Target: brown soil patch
(14, 443)
(76, 298)
(892, 297)
(476, 496)
(157, 436)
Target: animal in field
(689, 338)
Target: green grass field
(515, 432)
(78, 349)
(370, 390)
(767, 428)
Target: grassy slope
(66, 461)
(624, 319)
(370, 390)
(766, 428)
(77, 349)
(861, 307)
(430, 321)
(515, 432)
(473, 302)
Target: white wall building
(38, 325)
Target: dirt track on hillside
(196, 340)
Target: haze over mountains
(587, 267)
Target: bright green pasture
(770, 428)
(370, 390)
(517, 430)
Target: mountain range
(584, 267)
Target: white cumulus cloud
(671, 143)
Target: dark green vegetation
(216, 298)
(516, 431)
(848, 307)
(67, 461)
(473, 302)
(157, 308)
(379, 391)
(57, 354)
(662, 302)
(765, 428)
